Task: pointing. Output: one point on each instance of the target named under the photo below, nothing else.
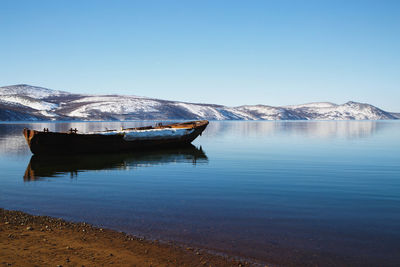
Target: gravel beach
(27, 240)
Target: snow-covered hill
(25, 102)
(30, 91)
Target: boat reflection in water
(42, 166)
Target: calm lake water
(287, 192)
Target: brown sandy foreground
(27, 240)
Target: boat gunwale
(184, 125)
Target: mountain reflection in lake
(323, 193)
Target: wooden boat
(130, 139)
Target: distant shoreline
(178, 120)
(40, 240)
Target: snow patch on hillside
(265, 112)
(202, 111)
(236, 114)
(313, 105)
(48, 114)
(113, 105)
(27, 102)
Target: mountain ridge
(32, 103)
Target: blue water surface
(286, 192)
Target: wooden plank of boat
(130, 139)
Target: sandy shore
(27, 240)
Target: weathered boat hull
(44, 142)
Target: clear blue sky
(226, 52)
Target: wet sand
(27, 240)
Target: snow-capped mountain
(25, 102)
